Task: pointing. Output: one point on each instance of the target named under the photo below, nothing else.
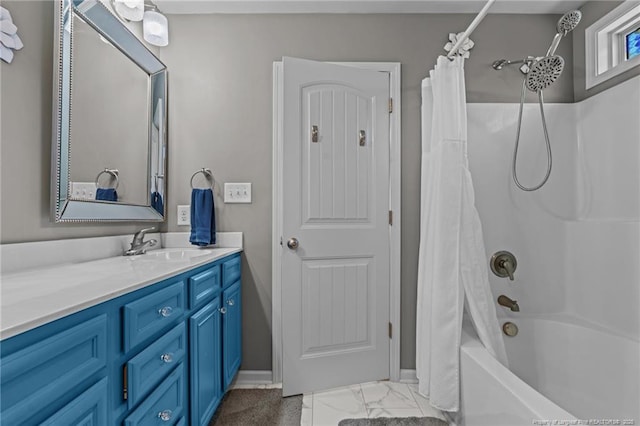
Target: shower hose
(546, 137)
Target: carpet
(245, 407)
(394, 421)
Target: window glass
(633, 44)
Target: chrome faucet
(508, 303)
(138, 245)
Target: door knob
(292, 243)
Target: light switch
(237, 193)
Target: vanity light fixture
(129, 10)
(155, 27)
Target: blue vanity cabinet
(206, 360)
(231, 333)
(45, 373)
(163, 354)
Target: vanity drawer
(89, 409)
(203, 286)
(165, 405)
(151, 314)
(37, 375)
(153, 364)
(231, 271)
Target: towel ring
(114, 175)
(207, 174)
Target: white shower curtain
(452, 264)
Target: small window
(633, 44)
(613, 43)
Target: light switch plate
(83, 190)
(237, 193)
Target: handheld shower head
(567, 23)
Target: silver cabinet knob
(293, 243)
(165, 415)
(223, 310)
(167, 358)
(166, 311)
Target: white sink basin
(174, 254)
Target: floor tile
(306, 415)
(394, 412)
(388, 395)
(332, 406)
(424, 405)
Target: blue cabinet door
(204, 355)
(231, 333)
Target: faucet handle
(503, 264)
(138, 237)
(146, 230)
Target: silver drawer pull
(165, 415)
(166, 358)
(223, 310)
(231, 302)
(166, 311)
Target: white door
(335, 283)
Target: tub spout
(508, 303)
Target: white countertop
(36, 296)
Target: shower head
(569, 22)
(565, 25)
(544, 72)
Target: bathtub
(563, 371)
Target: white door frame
(395, 169)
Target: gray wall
(591, 12)
(221, 105)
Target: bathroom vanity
(150, 339)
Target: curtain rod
(470, 28)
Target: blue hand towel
(156, 202)
(203, 220)
(106, 194)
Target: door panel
(335, 285)
(336, 306)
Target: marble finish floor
(367, 400)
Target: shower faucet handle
(503, 264)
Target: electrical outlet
(237, 193)
(83, 190)
(184, 215)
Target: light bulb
(155, 28)
(131, 10)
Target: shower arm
(499, 64)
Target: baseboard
(408, 376)
(255, 379)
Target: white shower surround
(577, 241)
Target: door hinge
(390, 105)
(390, 217)
(125, 392)
(390, 331)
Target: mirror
(110, 144)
